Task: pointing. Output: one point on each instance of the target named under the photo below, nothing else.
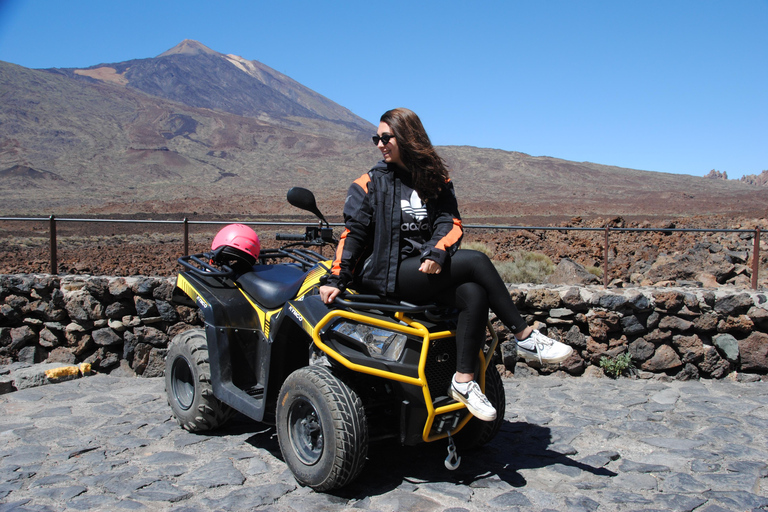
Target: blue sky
(672, 86)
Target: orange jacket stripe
(336, 268)
(363, 182)
(453, 236)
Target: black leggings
(469, 282)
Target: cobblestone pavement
(108, 443)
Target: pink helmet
(240, 241)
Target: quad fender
(306, 313)
(229, 316)
(220, 304)
(251, 351)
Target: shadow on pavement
(518, 446)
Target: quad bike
(332, 378)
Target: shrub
(478, 246)
(595, 271)
(618, 366)
(525, 267)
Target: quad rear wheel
(322, 428)
(188, 384)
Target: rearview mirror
(305, 199)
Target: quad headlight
(381, 343)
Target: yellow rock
(68, 372)
(63, 372)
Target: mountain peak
(188, 47)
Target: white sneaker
(474, 399)
(543, 349)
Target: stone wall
(684, 332)
(124, 325)
(115, 324)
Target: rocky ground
(110, 443)
(639, 257)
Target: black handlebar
(290, 237)
(313, 236)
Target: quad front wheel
(322, 429)
(188, 384)
(477, 432)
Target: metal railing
(607, 230)
(53, 220)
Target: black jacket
(368, 253)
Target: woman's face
(390, 151)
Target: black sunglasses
(385, 138)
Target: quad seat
(272, 285)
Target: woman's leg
(471, 299)
(472, 302)
(465, 266)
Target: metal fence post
(54, 255)
(605, 259)
(756, 258)
(186, 236)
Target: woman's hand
(430, 267)
(329, 293)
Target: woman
(402, 238)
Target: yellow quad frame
(408, 326)
(415, 329)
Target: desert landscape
(196, 134)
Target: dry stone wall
(113, 323)
(683, 332)
(124, 325)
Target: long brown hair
(427, 168)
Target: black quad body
(331, 378)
